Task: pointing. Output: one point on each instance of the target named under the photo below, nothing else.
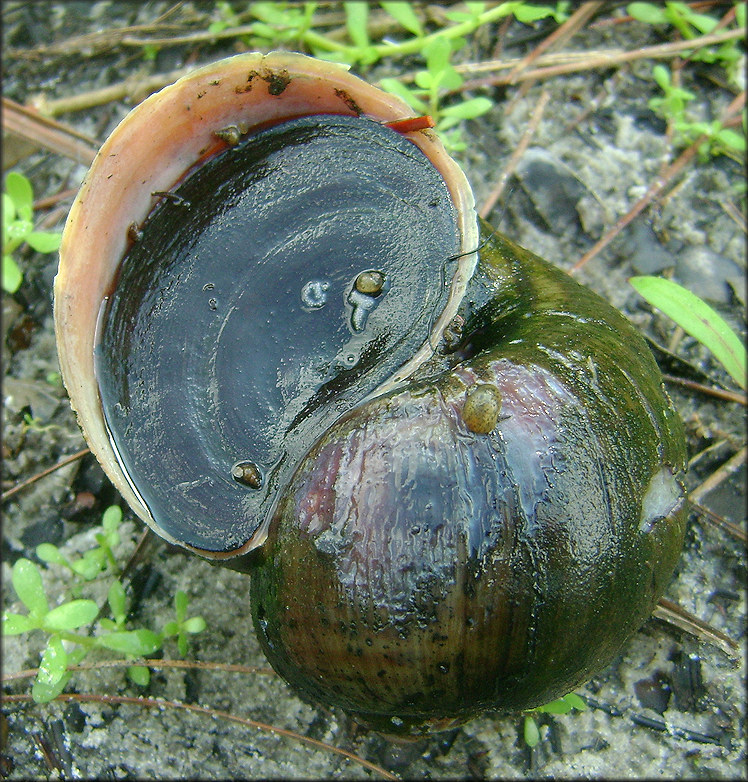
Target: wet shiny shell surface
(236, 332)
(418, 572)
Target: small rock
(708, 274)
(646, 253)
(552, 188)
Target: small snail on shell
(453, 474)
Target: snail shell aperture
(454, 475)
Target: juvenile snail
(454, 475)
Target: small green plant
(672, 107)
(698, 319)
(691, 24)
(223, 17)
(673, 104)
(292, 25)
(67, 642)
(18, 227)
(439, 77)
(564, 705)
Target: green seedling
(71, 626)
(691, 24)
(562, 705)
(18, 228)
(672, 107)
(291, 25)
(438, 78)
(95, 560)
(698, 319)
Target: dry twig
(670, 612)
(524, 142)
(657, 186)
(719, 393)
(725, 471)
(32, 126)
(34, 478)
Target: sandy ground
(670, 706)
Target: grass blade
(698, 319)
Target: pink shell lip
(152, 148)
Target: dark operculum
(419, 572)
(278, 285)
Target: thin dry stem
(725, 471)
(670, 612)
(31, 126)
(589, 61)
(34, 478)
(718, 393)
(656, 187)
(717, 520)
(524, 142)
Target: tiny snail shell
(482, 408)
(460, 479)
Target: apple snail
(452, 472)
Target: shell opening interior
(242, 322)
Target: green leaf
(575, 701)
(43, 693)
(134, 642)
(646, 12)
(424, 80)
(181, 601)
(44, 241)
(139, 674)
(732, 139)
(437, 53)
(356, 17)
(399, 89)
(19, 189)
(111, 518)
(531, 732)
(48, 552)
(661, 75)
(18, 230)
(170, 629)
(703, 23)
(477, 8)
(27, 581)
(90, 564)
(740, 14)
(528, 13)
(182, 645)
(68, 616)
(9, 212)
(698, 319)
(195, 624)
(117, 601)
(12, 277)
(559, 706)
(468, 109)
(54, 662)
(451, 80)
(404, 14)
(15, 624)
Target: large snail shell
(193, 418)
(457, 472)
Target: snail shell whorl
(476, 511)
(514, 562)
